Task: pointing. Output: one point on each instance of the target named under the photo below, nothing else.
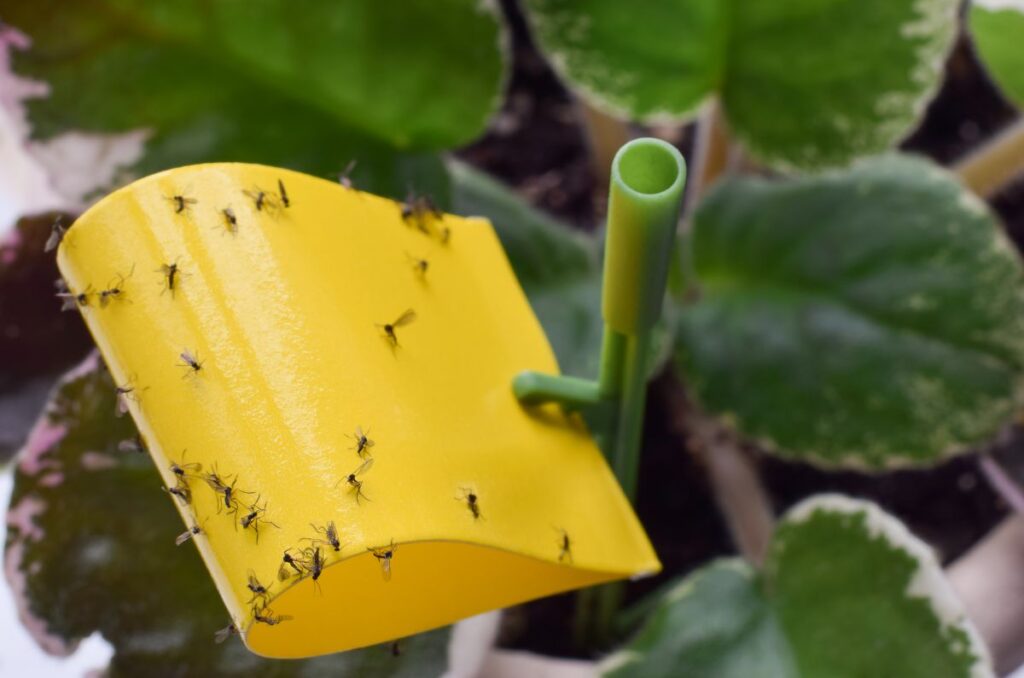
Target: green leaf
(846, 591)
(91, 548)
(997, 28)
(307, 87)
(804, 83)
(869, 318)
(559, 270)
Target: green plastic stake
(647, 181)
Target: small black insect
(261, 199)
(419, 265)
(181, 491)
(289, 563)
(564, 546)
(191, 362)
(124, 394)
(417, 208)
(265, 615)
(353, 479)
(345, 178)
(191, 532)
(115, 289)
(389, 328)
(216, 482)
(230, 498)
(363, 444)
(71, 301)
(315, 565)
(384, 554)
(171, 274)
(330, 535)
(225, 633)
(181, 203)
(472, 503)
(184, 470)
(230, 220)
(57, 232)
(283, 193)
(254, 518)
(135, 444)
(259, 591)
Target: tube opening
(648, 166)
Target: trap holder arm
(647, 180)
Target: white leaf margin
(929, 580)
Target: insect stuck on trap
(170, 277)
(384, 554)
(283, 193)
(354, 483)
(472, 501)
(261, 200)
(225, 633)
(230, 220)
(124, 395)
(419, 266)
(181, 491)
(363, 444)
(71, 301)
(134, 444)
(57, 233)
(190, 533)
(258, 590)
(389, 328)
(345, 177)
(290, 563)
(254, 517)
(185, 470)
(330, 535)
(264, 615)
(315, 562)
(191, 362)
(115, 290)
(564, 546)
(181, 203)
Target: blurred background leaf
(91, 546)
(997, 33)
(870, 318)
(804, 83)
(308, 86)
(846, 592)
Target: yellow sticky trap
(283, 306)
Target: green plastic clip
(644, 199)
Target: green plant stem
(613, 351)
(626, 459)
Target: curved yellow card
(324, 378)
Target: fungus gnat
(191, 532)
(71, 301)
(330, 535)
(284, 194)
(353, 479)
(191, 362)
(419, 265)
(469, 496)
(261, 199)
(384, 554)
(345, 178)
(315, 562)
(181, 491)
(389, 328)
(264, 615)
(170, 275)
(230, 220)
(124, 394)
(363, 444)
(254, 517)
(290, 561)
(57, 232)
(417, 208)
(259, 591)
(135, 444)
(564, 546)
(115, 289)
(181, 203)
(184, 470)
(225, 633)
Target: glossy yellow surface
(284, 317)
